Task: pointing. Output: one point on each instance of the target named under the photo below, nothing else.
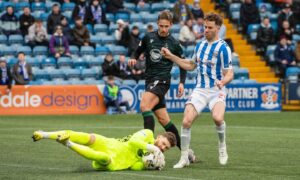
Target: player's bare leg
(190, 115)
(218, 116)
(149, 100)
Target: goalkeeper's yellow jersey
(125, 153)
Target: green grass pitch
(260, 146)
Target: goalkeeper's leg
(76, 137)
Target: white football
(154, 162)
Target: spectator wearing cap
(287, 14)
(67, 30)
(81, 34)
(37, 34)
(109, 67)
(286, 30)
(5, 75)
(265, 35)
(134, 40)
(122, 34)
(196, 10)
(80, 10)
(249, 14)
(186, 34)
(59, 45)
(22, 72)
(182, 12)
(95, 14)
(284, 55)
(26, 20)
(54, 19)
(9, 22)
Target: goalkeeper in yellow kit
(110, 153)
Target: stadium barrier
(47, 100)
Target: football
(154, 161)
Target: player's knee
(218, 118)
(144, 107)
(187, 122)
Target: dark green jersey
(158, 67)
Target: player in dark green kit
(158, 74)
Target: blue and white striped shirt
(211, 59)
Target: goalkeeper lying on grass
(136, 152)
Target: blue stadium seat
(130, 6)
(112, 28)
(296, 37)
(41, 74)
(189, 50)
(3, 39)
(5, 4)
(25, 49)
(149, 18)
(89, 74)
(33, 83)
(72, 73)
(249, 81)
(122, 15)
(175, 28)
(38, 6)
(44, 16)
(48, 62)
(135, 18)
(252, 31)
(100, 28)
(292, 71)
(129, 82)
(241, 73)
(68, 6)
(234, 7)
(32, 61)
(11, 61)
(68, 15)
(49, 5)
(235, 61)
(156, 7)
(235, 16)
(102, 50)
(87, 50)
(118, 50)
(298, 28)
(270, 54)
(20, 5)
(110, 17)
(74, 50)
(145, 8)
(80, 63)
(15, 39)
(175, 72)
(40, 50)
(8, 50)
(64, 62)
(97, 61)
(56, 74)
(96, 39)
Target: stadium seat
(175, 28)
(72, 73)
(98, 28)
(96, 39)
(80, 63)
(44, 16)
(41, 74)
(235, 16)
(110, 17)
(298, 28)
(11, 61)
(8, 50)
(32, 61)
(118, 50)
(87, 50)
(122, 15)
(129, 82)
(64, 62)
(296, 37)
(235, 61)
(149, 18)
(292, 71)
(3, 39)
(90, 28)
(48, 62)
(145, 8)
(112, 28)
(20, 5)
(249, 81)
(56, 74)
(108, 40)
(15, 39)
(49, 5)
(25, 49)
(68, 6)
(135, 18)
(38, 82)
(89, 74)
(189, 50)
(74, 50)
(38, 6)
(5, 4)
(101, 50)
(97, 61)
(40, 50)
(130, 6)
(241, 73)
(252, 31)
(270, 54)
(157, 7)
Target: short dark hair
(171, 138)
(166, 15)
(214, 17)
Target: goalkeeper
(114, 154)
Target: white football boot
(183, 162)
(223, 156)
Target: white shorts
(201, 97)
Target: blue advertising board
(240, 97)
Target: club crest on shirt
(155, 55)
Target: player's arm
(144, 140)
(136, 54)
(183, 63)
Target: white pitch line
(120, 173)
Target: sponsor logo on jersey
(155, 55)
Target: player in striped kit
(212, 58)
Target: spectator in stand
(263, 12)
(124, 71)
(150, 28)
(284, 55)
(186, 34)
(9, 22)
(113, 96)
(81, 34)
(196, 10)
(265, 35)
(138, 70)
(287, 14)
(249, 14)
(114, 6)
(297, 53)
(26, 20)
(67, 30)
(22, 72)
(286, 30)
(80, 10)
(109, 67)
(134, 40)
(54, 19)
(95, 14)
(182, 12)
(122, 34)
(5, 76)
(59, 45)
(295, 6)
(198, 29)
(37, 34)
